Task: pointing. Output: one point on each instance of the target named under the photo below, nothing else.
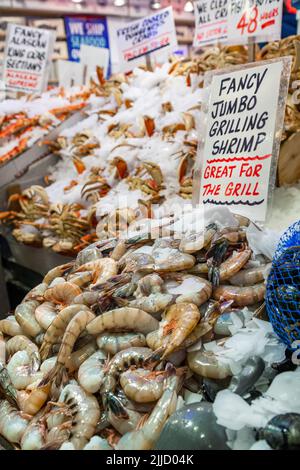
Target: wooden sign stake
(251, 49)
(148, 63)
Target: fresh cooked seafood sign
(27, 58)
(211, 22)
(238, 156)
(258, 19)
(151, 35)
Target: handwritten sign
(242, 114)
(149, 35)
(87, 31)
(211, 22)
(27, 57)
(260, 19)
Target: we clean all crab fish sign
(238, 157)
(27, 56)
(151, 35)
(235, 21)
(211, 22)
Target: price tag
(211, 22)
(150, 35)
(260, 19)
(91, 57)
(238, 156)
(69, 73)
(27, 58)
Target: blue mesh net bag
(283, 288)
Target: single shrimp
(22, 343)
(12, 424)
(33, 398)
(166, 262)
(87, 298)
(123, 319)
(125, 425)
(103, 269)
(57, 436)
(57, 328)
(153, 303)
(36, 293)
(241, 296)
(78, 357)
(85, 414)
(62, 294)
(25, 316)
(6, 386)
(35, 435)
(233, 264)
(206, 364)
(10, 327)
(91, 372)
(45, 314)
(76, 326)
(20, 370)
(178, 322)
(92, 253)
(59, 271)
(249, 277)
(112, 343)
(188, 288)
(146, 437)
(150, 284)
(121, 362)
(81, 279)
(143, 386)
(193, 242)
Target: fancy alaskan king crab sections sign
(238, 147)
(27, 54)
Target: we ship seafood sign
(150, 35)
(27, 56)
(238, 151)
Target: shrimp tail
(7, 388)
(53, 445)
(57, 374)
(171, 371)
(154, 358)
(116, 406)
(214, 275)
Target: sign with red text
(260, 19)
(238, 151)
(151, 35)
(211, 22)
(27, 56)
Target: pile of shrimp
(103, 351)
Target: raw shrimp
(45, 314)
(103, 269)
(233, 264)
(249, 277)
(76, 326)
(241, 296)
(57, 328)
(125, 425)
(80, 356)
(146, 437)
(25, 316)
(85, 414)
(188, 288)
(87, 255)
(91, 372)
(142, 386)
(81, 279)
(33, 398)
(121, 362)
(193, 242)
(20, 371)
(62, 294)
(22, 343)
(86, 298)
(57, 436)
(150, 284)
(10, 327)
(112, 343)
(97, 443)
(123, 319)
(59, 271)
(206, 364)
(34, 436)
(12, 425)
(6, 386)
(170, 262)
(153, 303)
(179, 321)
(36, 293)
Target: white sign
(27, 58)
(69, 73)
(238, 148)
(260, 19)
(91, 57)
(150, 35)
(211, 22)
